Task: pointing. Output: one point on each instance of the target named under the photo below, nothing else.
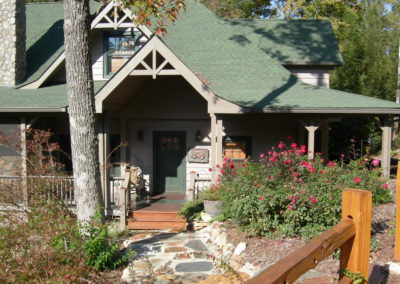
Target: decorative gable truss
(154, 65)
(115, 16)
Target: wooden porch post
(100, 135)
(213, 146)
(106, 192)
(325, 141)
(219, 140)
(386, 147)
(124, 139)
(24, 170)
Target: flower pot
(213, 208)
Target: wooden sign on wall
(198, 156)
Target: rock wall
(12, 42)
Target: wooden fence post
(354, 254)
(397, 230)
(123, 199)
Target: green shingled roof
(290, 41)
(238, 59)
(244, 74)
(45, 36)
(50, 97)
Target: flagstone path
(165, 257)
(203, 256)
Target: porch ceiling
(127, 90)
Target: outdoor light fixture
(198, 136)
(140, 135)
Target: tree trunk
(81, 110)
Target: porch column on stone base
(311, 128)
(216, 145)
(325, 141)
(386, 147)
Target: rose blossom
(312, 199)
(356, 180)
(375, 163)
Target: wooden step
(155, 220)
(155, 225)
(156, 216)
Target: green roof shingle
(290, 41)
(45, 36)
(238, 60)
(242, 72)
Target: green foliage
(192, 209)
(212, 194)
(102, 251)
(42, 243)
(285, 193)
(241, 8)
(356, 278)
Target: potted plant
(212, 199)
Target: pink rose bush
(282, 192)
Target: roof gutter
(326, 110)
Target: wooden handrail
(351, 235)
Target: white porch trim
(386, 147)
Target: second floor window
(118, 49)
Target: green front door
(169, 162)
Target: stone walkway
(202, 256)
(168, 257)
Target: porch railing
(61, 187)
(115, 184)
(197, 184)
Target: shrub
(285, 193)
(41, 242)
(192, 209)
(101, 249)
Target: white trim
(153, 46)
(94, 25)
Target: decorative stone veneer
(12, 42)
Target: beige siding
(97, 55)
(316, 77)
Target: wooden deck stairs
(160, 214)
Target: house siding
(312, 76)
